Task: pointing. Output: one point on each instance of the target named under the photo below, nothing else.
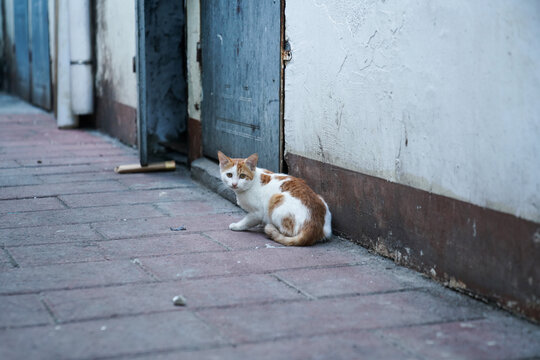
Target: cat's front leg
(249, 221)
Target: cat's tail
(306, 237)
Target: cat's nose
(235, 185)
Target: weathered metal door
(241, 72)
(41, 75)
(22, 66)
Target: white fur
(254, 197)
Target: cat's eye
(242, 176)
(229, 175)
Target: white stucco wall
(193, 32)
(439, 95)
(116, 46)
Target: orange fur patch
(227, 166)
(267, 171)
(300, 190)
(275, 201)
(281, 177)
(242, 168)
(265, 179)
(288, 224)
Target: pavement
(90, 263)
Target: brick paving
(89, 267)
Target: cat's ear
(251, 162)
(223, 159)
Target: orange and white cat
(293, 214)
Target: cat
(293, 214)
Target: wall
(439, 96)
(193, 23)
(431, 106)
(116, 85)
(194, 85)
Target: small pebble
(179, 300)
(180, 228)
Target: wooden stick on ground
(137, 168)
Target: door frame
(140, 67)
(284, 46)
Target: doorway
(162, 89)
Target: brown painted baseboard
(486, 253)
(194, 139)
(116, 119)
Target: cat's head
(237, 174)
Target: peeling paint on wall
(115, 81)
(115, 48)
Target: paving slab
(277, 321)
(37, 204)
(162, 226)
(110, 337)
(496, 338)
(180, 207)
(55, 254)
(48, 234)
(152, 181)
(339, 281)
(6, 164)
(31, 191)
(242, 261)
(23, 310)
(130, 299)
(128, 198)
(253, 239)
(43, 161)
(67, 276)
(81, 215)
(18, 180)
(6, 261)
(344, 346)
(158, 246)
(62, 170)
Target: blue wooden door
(22, 61)
(241, 72)
(41, 73)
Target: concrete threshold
(207, 173)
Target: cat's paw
(236, 227)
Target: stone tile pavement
(89, 266)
